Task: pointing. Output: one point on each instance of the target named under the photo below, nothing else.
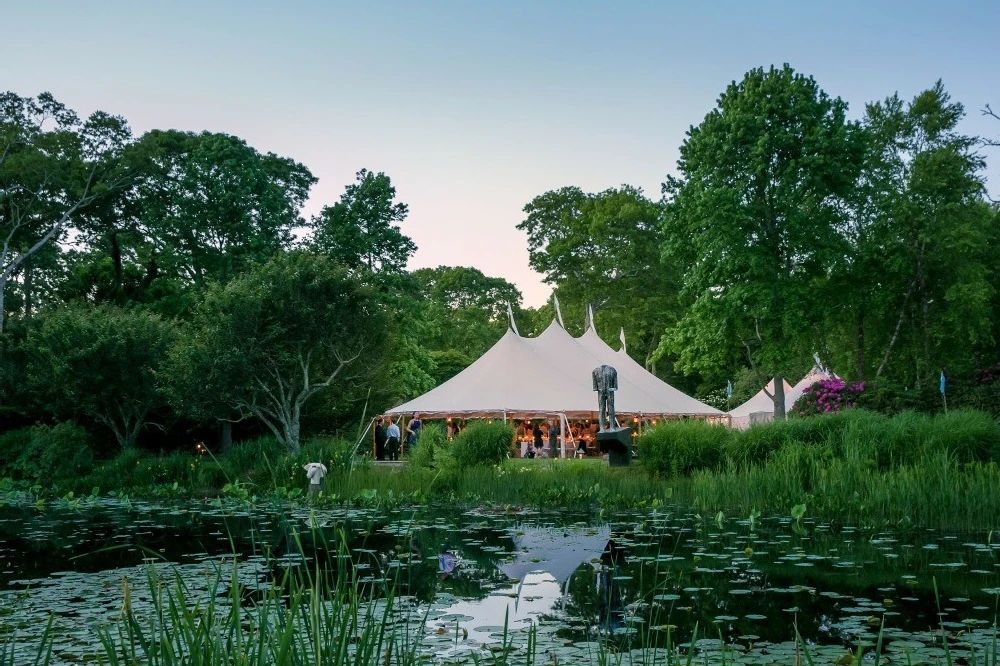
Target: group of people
(389, 439)
(534, 434)
(538, 438)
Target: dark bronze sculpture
(605, 383)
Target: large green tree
(361, 231)
(604, 250)
(466, 311)
(52, 166)
(100, 362)
(275, 337)
(197, 208)
(923, 241)
(756, 218)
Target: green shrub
(676, 448)
(253, 460)
(968, 435)
(757, 443)
(982, 396)
(890, 398)
(482, 443)
(48, 453)
(820, 429)
(432, 439)
(132, 468)
(13, 443)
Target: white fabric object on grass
(315, 472)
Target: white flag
(621, 336)
(510, 314)
(555, 301)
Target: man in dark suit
(380, 438)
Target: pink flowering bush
(828, 396)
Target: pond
(739, 588)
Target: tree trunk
(861, 346)
(226, 436)
(779, 397)
(116, 263)
(292, 433)
(895, 333)
(28, 288)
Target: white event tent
(760, 407)
(550, 376)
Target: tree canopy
(756, 219)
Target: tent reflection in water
(550, 376)
(557, 552)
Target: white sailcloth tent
(547, 376)
(760, 407)
(817, 374)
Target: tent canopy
(763, 405)
(549, 375)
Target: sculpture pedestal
(617, 443)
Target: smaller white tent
(759, 408)
(817, 374)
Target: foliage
(466, 311)
(52, 166)
(270, 340)
(360, 231)
(754, 219)
(603, 249)
(677, 448)
(447, 364)
(62, 451)
(828, 395)
(433, 440)
(482, 443)
(101, 362)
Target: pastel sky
(474, 108)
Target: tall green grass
(935, 471)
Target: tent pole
(562, 433)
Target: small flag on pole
(510, 315)
(942, 382)
(729, 389)
(555, 301)
(621, 336)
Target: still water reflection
(571, 576)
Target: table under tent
(549, 377)
(760, 408)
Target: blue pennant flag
(729, 389)
(942, 382)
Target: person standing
(392, 441)
(413, 432)
(380, 439)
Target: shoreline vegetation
(853, 467)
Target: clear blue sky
(474, 108)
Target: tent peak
(510, 316)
